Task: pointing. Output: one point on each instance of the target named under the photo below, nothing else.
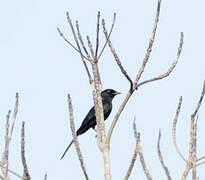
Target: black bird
(90, 119)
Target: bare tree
(91, 55)
(8, 137)
(96, 85)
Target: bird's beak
(117, 93)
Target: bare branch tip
(114, 17)
(9, 112)
(158, 6)
(134, 122)
(103, 22)
(204, 87)
(58, 29)
(68, 96)
(180, 99)
(159, 131)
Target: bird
(90, 119)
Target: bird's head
(109, 93)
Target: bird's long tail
(67, 149)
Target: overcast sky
(37, 63)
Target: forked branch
(138, 76)
(149, 50)
(78, 45)
(170, 69)
(137, 136)
(191, 163)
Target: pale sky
(37, 63)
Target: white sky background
(37, 63)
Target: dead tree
(92, 56)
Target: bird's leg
(95, 131)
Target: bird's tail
(67, 148)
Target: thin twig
(174, 129)
(201, 163)
(65, 39)
(201, 158)
(26, 174)
(9, 131)
(6, 151)
(81, 41)
(97, 36)
(170, 69)
(145, 169)
(114, 18)
(90, 47)
(8, 136)
(117, 59)
(15, 114)
(77, 43)
(45, 177)
(12, 172)
(161, 158)
(200, 101)
(149, 50)
(186, 172)
(75, 137)
(193, 146)
(191, 163)
(129, 171)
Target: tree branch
(5, 162)
(137, 136)
(45, 177)
(26, 174)
(174, 129)
(75, 137)
(137, 77)
(82, 42)
(117, 59)
(97, 36)
(170, 69)
(9, 131)
(77, 43)
(161, 158)
(113, 23)
(145, 169)
(191, 163)
(65, 39)
(149, 50)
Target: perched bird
(90, 119)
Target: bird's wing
(107, 108)
(89, 116)
(90, 119)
